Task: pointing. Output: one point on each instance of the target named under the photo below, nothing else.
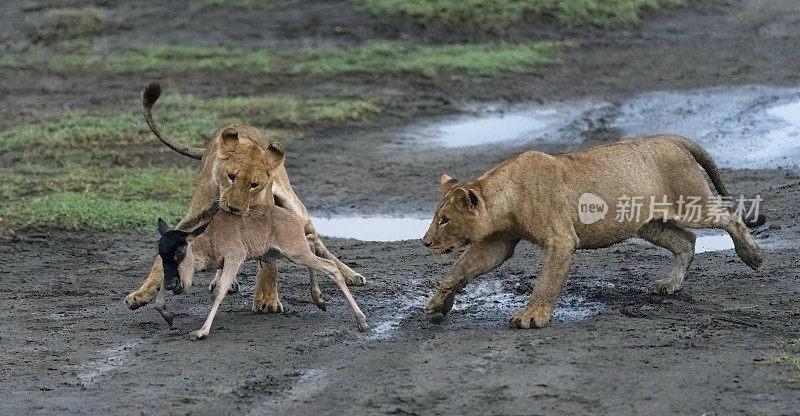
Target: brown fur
(247, 153)
(265, 233)
(535, 197)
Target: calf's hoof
(362, 324)
(354, 279)
(197, 335)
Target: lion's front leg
(149, 289)
(265, 297)
(547, 289)
(479, 258)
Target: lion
(535, 196)
(242, 171)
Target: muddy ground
(70, 346)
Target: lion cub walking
(225, 241)
(536, 197)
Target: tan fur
(535, 197)
(247, 153)
(265, 234)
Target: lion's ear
(274, 155)
(230, 134)
(229, 138)
(277, 150)
(467, 199)
(447, 183)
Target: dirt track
(70, 346)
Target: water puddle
(372, 228)
(742, 127)
(492, 129)
(490, 294)
(405, 228)
(713, 243)
(390, 323)
(572, 308)
(489, 125)
(756, 127)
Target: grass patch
(477, 59)
(380, 57)
(8, 60)
(499, 14)
(106, 199)
(188, 118)
(85, 210)
(71, 23)
(238, 3)
(790, 354)
(124, 183)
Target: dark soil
(69, 345)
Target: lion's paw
(136, 300)
(439, 306)
(267, 303)
(665, 286)
(527, 318)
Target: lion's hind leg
(680, 242)
(743, 243)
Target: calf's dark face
(172, 248)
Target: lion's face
(243, 172)
(458, 220)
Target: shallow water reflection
(408, 228)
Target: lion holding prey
(242, 171)
(534, 196)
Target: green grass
(238, 3)
(472, 59)
(128, 183)
(70, 210)
(71, 23)
(499, 14)
(791, 354)
(186, 117)
(376, 57)
(8, 60)
(100, 198)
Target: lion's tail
(704, 159)
(150, 95)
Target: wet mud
(722, 73)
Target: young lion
(226, 240)
(536, 197)
(243, 171)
